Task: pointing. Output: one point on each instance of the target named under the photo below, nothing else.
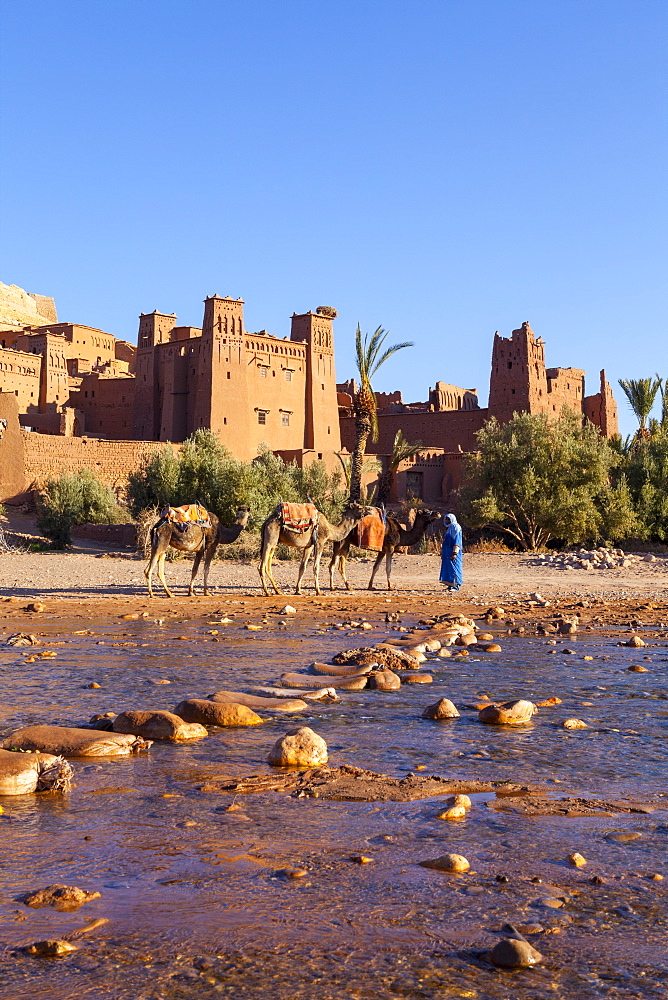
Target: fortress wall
(11, 448)
(47, 456)
(446, 429)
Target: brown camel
(395, 535)
(273, 532)
(195, 538)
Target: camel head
(243, 514)
(428, 516)
(357, 510)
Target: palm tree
(641, 394)
(369, 359)
(402, 449)
(370, 464)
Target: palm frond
(388, 354)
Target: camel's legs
(148, 573)
(161, 573)
(270, 571)
(210, 553)
(306, 554)
(317, 556)
(388, 568)
(157, 552)
(379, 559)
(196, 562)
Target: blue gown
(452, 569)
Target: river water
(191, 891)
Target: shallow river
(194, 904)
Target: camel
(273, 533)
(395, 535)
(195, 538)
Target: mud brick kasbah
(73, 396)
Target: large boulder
(339, 670)
(298, 748)
(296, 680)
(443, 709)
(214, 713)
(513, 953)
(382, 655)
(23, 773)
(157, 725)
(255, 701)
(510, 713)
(384, 680)
(71, 742)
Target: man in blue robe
(451, 554)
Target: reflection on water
(194, 903)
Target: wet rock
(61, 897)
(70, 742)
(288, 610)
(597, 880)
(299, 748)
(567, 628)
(158, 725)
(258, 702)
(493, 647)
(574, 724)
(635, 641)
(577, 860)
(295, 873)
(447, 863)
(459, 800)
(511, 953)
(213, 713)
(50, 949)
(432, 645)
(485, 637)
(453, 813)
(509, 713)
(325, 694)
(339, 670)
(418, 679)
(624, 836)
(22, 774)
(466, 640)
(21, 639)
(37, 607)
(382, 655)
(551, 902)
(384, 680)
(637, 668)
(444, 653)
(442, 709)
(361, 859)
(356, 682)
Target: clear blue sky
(444, 169)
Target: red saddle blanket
(190, 513)
(299, 517)
(371, 531)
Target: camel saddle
(370, 532)
(299, 517)
(189, 513)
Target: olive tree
(536, 479)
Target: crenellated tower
(321, 425)
(518, 381)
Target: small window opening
(262, 417)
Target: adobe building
(250, 389)
(447, 423)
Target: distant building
(447, 423)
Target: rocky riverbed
(220, 874)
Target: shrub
(79, 498)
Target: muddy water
(190, 888)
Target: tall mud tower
(321, 424)
(518, 382)
(221, 390)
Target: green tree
(370, 356)
(535, 480)
(646, 470)
(401, 450)
(641, 395)
(80, 498)
(205, 472)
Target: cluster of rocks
(591, 559)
